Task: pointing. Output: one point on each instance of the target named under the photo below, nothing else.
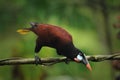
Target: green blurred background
(90, 22)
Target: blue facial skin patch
(79, 57)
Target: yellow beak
(88, 67)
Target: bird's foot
(37, 60)
(67, 61)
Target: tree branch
(51, 61)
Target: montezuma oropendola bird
(58, 38)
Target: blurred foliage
(89, 21)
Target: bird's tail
(23, 31)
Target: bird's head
(82, 58)
(34, 24)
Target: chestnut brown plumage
(58, 38)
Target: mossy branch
(51, 61)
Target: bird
(57, 38)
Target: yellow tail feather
(23, 31)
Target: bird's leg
(37, 49)
(37, 59)
(67, 60)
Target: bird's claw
(67, 61)
(37, 60)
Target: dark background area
(92, 23)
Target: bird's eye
(79, 57)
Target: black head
(34, 24)
(82, 58)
